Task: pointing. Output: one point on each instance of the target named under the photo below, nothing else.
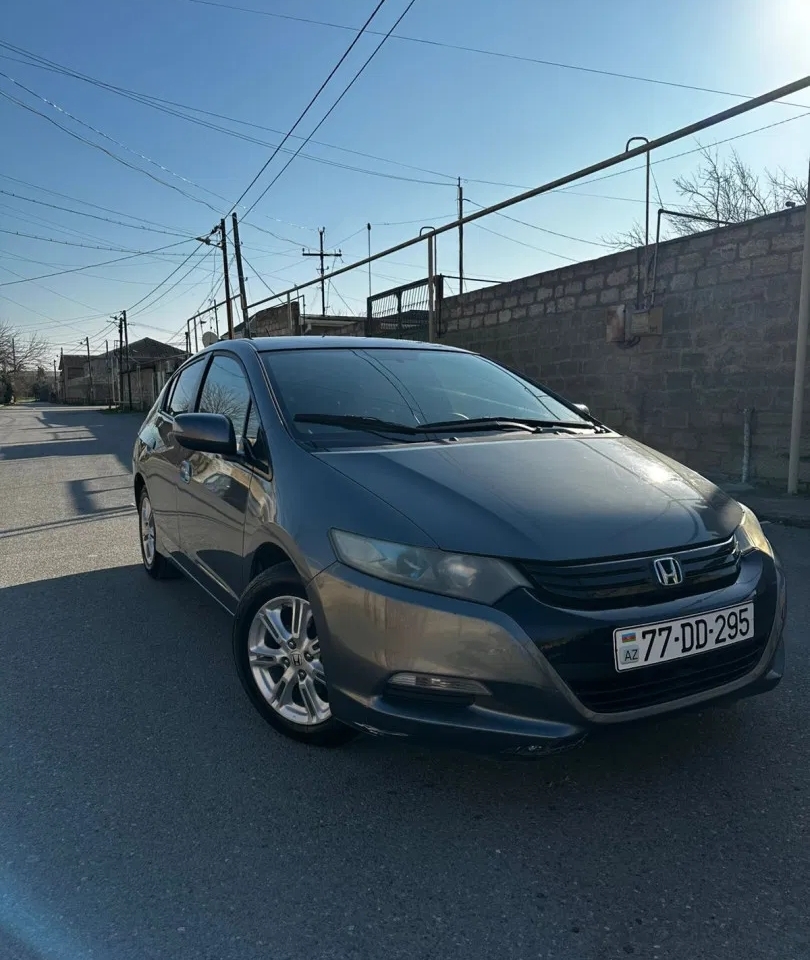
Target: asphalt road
(147, 811)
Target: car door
(213, 492)
(163, 473)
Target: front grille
(632, 582)
(635, 689)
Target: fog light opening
(427, 683)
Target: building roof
(146, 351)
(149, 349)
(71, 360)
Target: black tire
(160, 567)
(281, 580)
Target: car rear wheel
(278, 658)
(154, 562)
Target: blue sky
(448, 111)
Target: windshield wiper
(369, 424)
(375, 425)
(507, 423)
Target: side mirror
(582, 409)
(206, 432)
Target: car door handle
(185, 471)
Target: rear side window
(184, 390)
(226, 391)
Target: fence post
(801, 360)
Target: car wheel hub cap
(285, 659)
(147, 531)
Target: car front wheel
(278, 658)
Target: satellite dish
(209, 337)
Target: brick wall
(730, 305)
(286, 320)
(277, 321)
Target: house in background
(142, 370)
(72, 382)
(286, 319)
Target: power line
(163, 105)
(259, 277)
(534, 226)
(49, 290)
(86, 246)
(346, 89)
(66, 268)
(686, 153)
(335, 290)
(37, 218)
(51, 321)
(98, 146)
(158, 103)
(91, 266)
(88, 203)
(523, 243)
(306, 109)
(92, 216)
(496, 53)
(584, 173)
(151, 293)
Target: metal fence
(403, 313)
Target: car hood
(544, 497)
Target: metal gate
(403, 313)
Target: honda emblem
(668, 571)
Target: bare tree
(723, 190)
(19, 351)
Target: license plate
(672, 639)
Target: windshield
(403, 387)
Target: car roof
(307, 342)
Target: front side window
(184, 390)
(226, 391)
(410, 387)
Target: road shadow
(99, 433)
(147, 805)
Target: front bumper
(372, 630)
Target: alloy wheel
(147, 531)
(284, 654)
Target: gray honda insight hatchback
(417, 542)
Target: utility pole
(368, 228)
(228, 305)
(89, 368)
(196, 340)
(321, 254)
(237, 246)
(188, 343)
(460, 237)
(55, 383)
(13, 357)
(216, 319)
(129, 368)
(121, 360)
(108, 361)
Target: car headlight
(750, 535)
(482, 579)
